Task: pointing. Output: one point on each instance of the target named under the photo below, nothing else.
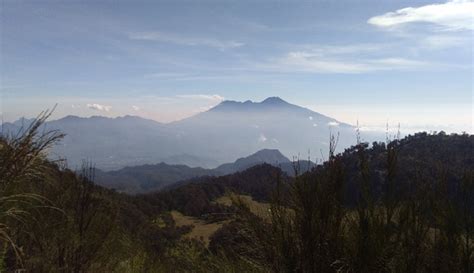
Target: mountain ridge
(228, 131)
(153, 177)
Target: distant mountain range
(149, 178)
(222, 134)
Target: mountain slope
(146, 178)
(234, 129)
(149, 178)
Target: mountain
(234, 129)
(149, 178)
(113, 143)
(222, 134)
(269, 156)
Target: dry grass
(260, 209)
(201, 230)
(22, 161)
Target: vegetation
(405, 206)
(377, 218)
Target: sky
(379, 61)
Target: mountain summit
(269, 156)
(274, 101)
(271, 102)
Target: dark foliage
(195, 198)
(402, 207)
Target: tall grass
(22, 161)
(417, 225)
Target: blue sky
(373, 61)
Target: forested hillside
(151, 178)
(402, 207)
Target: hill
(149, 178)
(415, 153)
(418, 156)
(433, 158)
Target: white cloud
(326, 50)
(397, 63)
(136, 108)
(99, 107)
(165, 75)
(311, 62)
(214, 97)
(262, 138)
(333, 124)
(184, 40)
(188, 76)
(451, 16)
(310, 118)
(443, 41)
(315, 125)
(204, 108)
